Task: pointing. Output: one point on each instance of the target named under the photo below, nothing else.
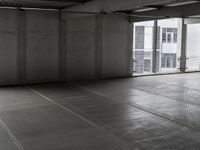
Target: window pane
(164, 37)
(169, 38)
(147, 65)
(167, 54)
(164, 30)
(139, 37)
(143, 47)
(193, 47)
(148, 38)
(169, 29)
(175, 37)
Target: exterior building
(166, 46)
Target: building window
(164, 37)
(169, 38)
(175, 35)
(147, 65)
(169, 35)
(168, 60)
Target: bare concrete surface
(144, 113)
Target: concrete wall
(29, 49)
(40, 46)
(8, 47)
(98, 47)
(80, 48)
(117, 46)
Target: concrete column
(130, 49)
(183, 35)
(155, 40)
(21, 36)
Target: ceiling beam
(46, 4)
(68, 1)
(179, 11)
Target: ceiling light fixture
(145, 9)
(182, 3)
(5, 7)
(31, 8)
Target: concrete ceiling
(128, 7)
(54, 4)
(183, 11)
(116, 5)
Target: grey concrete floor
(145, 113)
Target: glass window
(169, 35)
(170, 30)
(147, 65)
(164, 30)
(175, 37)
(168, 61)
(167, 46)
(169, 38)
(164, 37)
(193, 47)
(143, 47)
(148, 38)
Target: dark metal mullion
(183, 58)
(68, 1)
(155, 40)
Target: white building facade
(167, 41)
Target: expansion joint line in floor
(11, 135)
(138, 107)
(120, 141)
